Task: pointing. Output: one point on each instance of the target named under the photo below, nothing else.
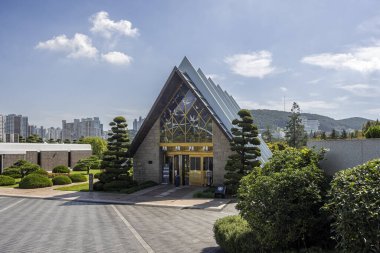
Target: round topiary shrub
(61, 169)
(354, 203)
(78, 178)
(41, 172)
(6, 180)
(233, 234)
(97, 175)
(34, 181)
(98, 186)
(78, 167)
(12, 172)
(61, 180)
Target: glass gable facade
(185, 119)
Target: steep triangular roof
(220, 104)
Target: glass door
(195, 170)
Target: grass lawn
(78, 187)
(14, 185)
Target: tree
(90, 163)
(295, 134)
(34, 138)
(373, 132)
(67, 141)
(267, 135)
(323, 136)
(334, 134)
(98, 145)
(244, 145)
(344, 134)
(282, 201)
(116, 163)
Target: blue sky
(72, 59)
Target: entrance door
(196, 177)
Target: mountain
(276, 119)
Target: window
(185, 119)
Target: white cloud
(316, 105)
(362, 59)
(106, 27)
(315, 81)
(341, 99)
(284, 89)
(255, 64)
(80, 46)
(117, 58)
(374, 111)
(361, 90)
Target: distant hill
(276, 119)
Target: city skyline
(70, 60)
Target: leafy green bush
(78, 178)
(117, 185)
(79, 167)
(138, 187)
(41, 172)
(97, 175)
(286, 196)
(354, 203)
(61, 169)
(34, 181)
(98, 186)
(12, 172)
(373, 132)
(208, 193)
(6, 180)
(61, 180)
(233, 234)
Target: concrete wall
(50, 159)
(32, 156)
(149, 151)
(10, 159)
(343, 154)
(76, 155)
(221, 153)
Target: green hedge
(6, 180)
(117, 185)
(354, 203)
(34, 181)
(78, 178)
(61, 169)
(234, 235)
(12, 172)
(61, 180)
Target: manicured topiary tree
(6, 180)
(87, 164)
(61, 169)
(245, 154)
(35, 181)
(78, 178)
(116, 164)
(354, 203)
(61, 180)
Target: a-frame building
(187, 131)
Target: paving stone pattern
(36, 225)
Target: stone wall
(50, 159)
(76, 155)
(343, 154)
(221, 153)
(147, 160)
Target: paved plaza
(39, 225)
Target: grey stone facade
(343, 154)
(221, 153)
(148, 157)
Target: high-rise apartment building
(81, 128)
(2, 128)
(137, 123)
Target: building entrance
(191, 169)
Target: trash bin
(176, 180)
(220, 191)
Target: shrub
(286, 196)
(97, 175)
(373, 132)
(6, 180)
(12, 172)
(354, 203)
(233, 234)
(41, 172)
(98, 186)
(34, 181)
(138, 187)
(61, 169)
(28, 168)
(117, 185)
(61, 180)
(78, 178)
